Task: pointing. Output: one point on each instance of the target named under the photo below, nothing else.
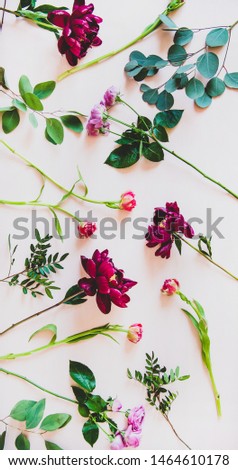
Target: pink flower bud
(110, 96)
(86, 229)
(136, 418)
(170, 287)
(128, 201)
(116, 405)
(135, 333)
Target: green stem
(206, 257)
(49, 178)
(173, 5)
(215, 391)
(87, 334)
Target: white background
(208, 138)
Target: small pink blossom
(136, 418)
(97, 123)
(86, 229)
(127, 202)
(116, 405)
(110, 96)
(132, 438)
(118, 443)
(170, 287)
(135, 333)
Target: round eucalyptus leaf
(215, 87)
(207, 64)
(194, 88)
(150, 96)
(183, 36)
(204, 101)
(177, 55)
(231, 80)
(217, 37)
(165, 101)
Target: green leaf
(2, 440)
(203, 240)
(167, 21)
(10, 120)
(35, 414)
(144, 123)
(153, 152)
(231, 80)
(24, 86)
(215, 87)
(217, 37)
(55, 421)
(183, 36)
(183, 377)
(161, 133)
(83, 376)
(33, 120)
(207, 64)
(33, 102)
(90, 432)
(72, 122)
(22, 442)
(194, 88)
(150, 96)
(138, 57)
(83, 411)
(55, 130)
(191, 317)
(131, 66)
(165, 101)
(78, 299)
(3, 82)
(48, 8)
(178, 244)
(96, 403)
(57, 224)
(49, 138)
(171, 85)
(80, 395)
(21, 409)
(51, 327)
(177, 55)
(199, 308)
(161, 63)
(204, 101)
(44, 89)
(123, 156)
(51, 446)
(168, 119)
(19, 105)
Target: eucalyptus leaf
(217, 37)
(150, 96)
(207, 64)
(215, 87)
(167, 21)
(231, 80)
(165, 101)
(183, 36)
(24, 86)
(204, 101)
(194, 88)
(177, 55)
(83, 376)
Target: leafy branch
(156, 380)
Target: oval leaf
(55, 130)
(153, 152)
(2, 440)
(55, 421)
(123, 157)
(82, 375)
(231, 80)
(72, 122)
(150, 96)
(207, 64)
(78, 297)
(183, 36)
(194, 88)
(165, 101)
(21, 409)
(24, 86)
(51, 327)
(215, 87)
(168, 119)
(90, 432)
(161, 133)
(10, 120)
(33, 102)
(217, 37)
(51, 446)
(204, 101)
(177, 55)
(96, 404)
(167, 21)
(44, 89)
(33, 120)
(22, 442)
(19, 105)
(80, 395)
(35, 415)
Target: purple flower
(79, 30)
(110, 96)
(118, 443)
(132, 438)
(106, 281)
(136, 418)
(167, 221)
(97, 123)
(116, 405)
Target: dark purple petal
(102, 285)
(106, 269)
(119, 299)
(88, 286)
(59, 18)
(62, 45)
(188, 230)
(89, 266)
(172, 207)
(97, 41)
(164, 250)
(127, 285)
(71, 58)
(104, 303)
(78, 3)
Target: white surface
(208, 139)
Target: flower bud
(170, 287)
(110, 96)
(135, 333)
(86, 229)
(127, 202)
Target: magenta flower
(166, 223)
(170, 287)
(86, 229)
(110, 96)
(127, 202)
(97, 122)
(135, 333)
(136, 417)
(106, 281)
(79, 30)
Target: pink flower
(136, 418)
(110, 96)
(135, 332)
(118, 443)
(116, 405)
(132, 438)
(127, 202)
(170, 287)
(97, 123)
(86, 229)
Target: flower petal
(119, 299)
(106, 269)
(87, 285)
(59, 18)
(102, 285)
(104, 303)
